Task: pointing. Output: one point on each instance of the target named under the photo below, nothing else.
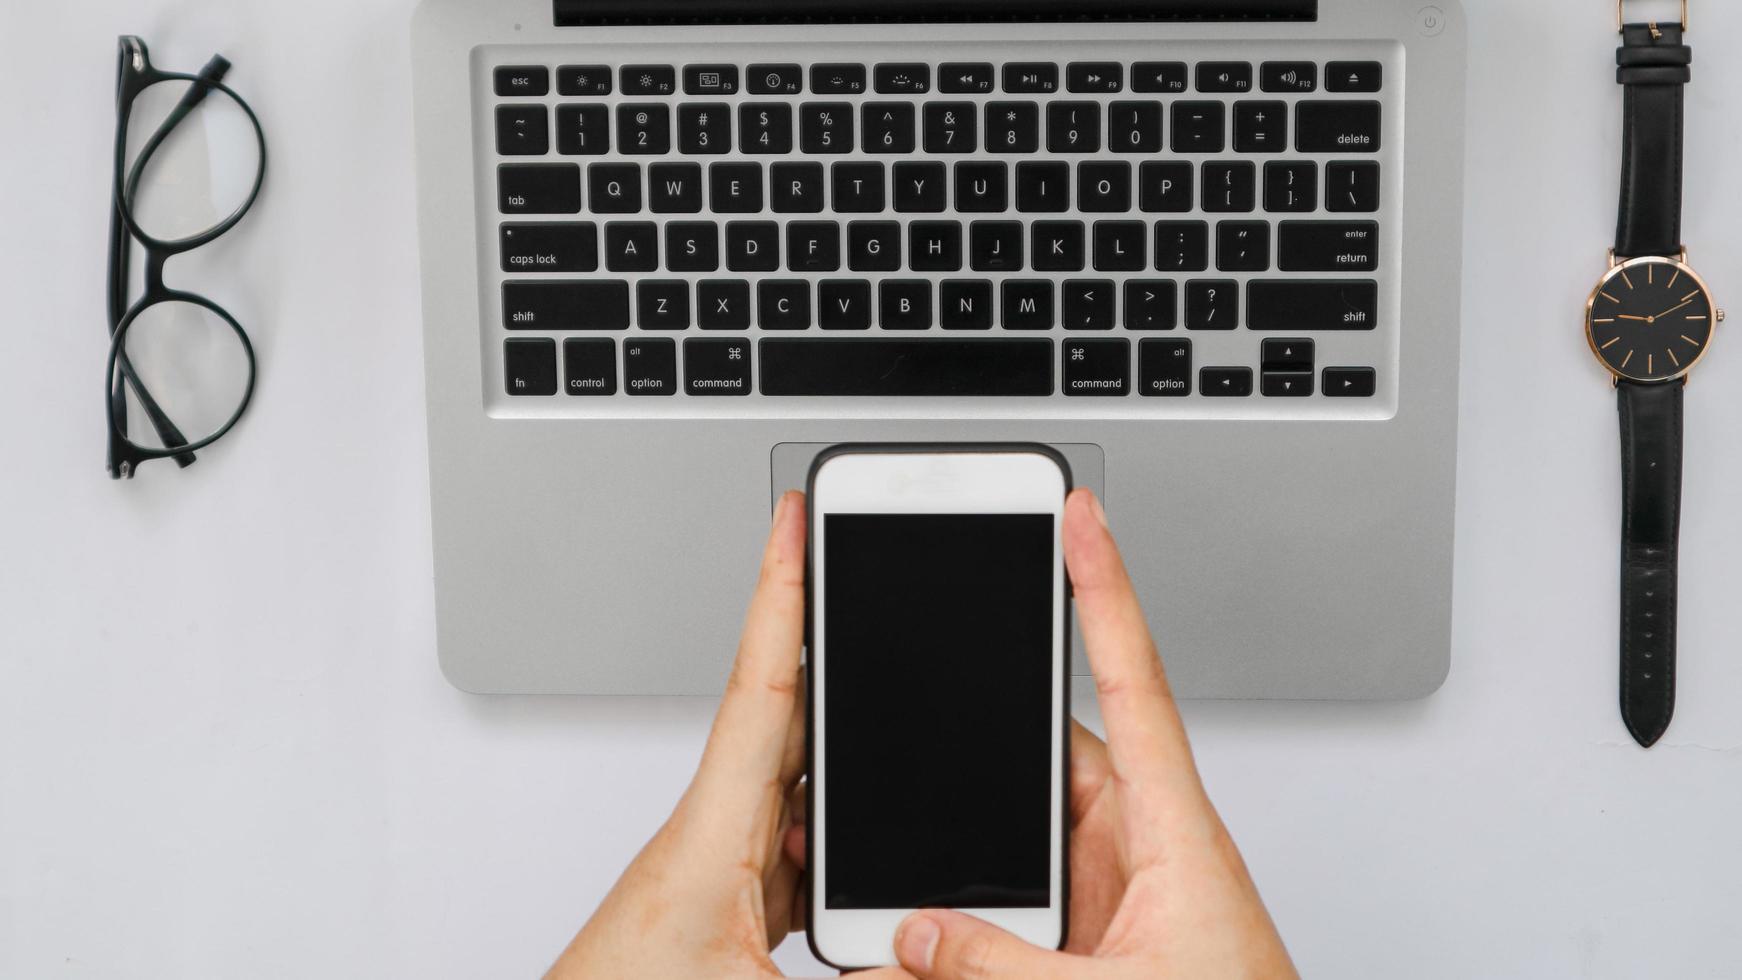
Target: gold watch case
(1633, 342)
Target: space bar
(907, 367)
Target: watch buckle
(1621, 18)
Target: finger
(1145, 738)
(1089, 769)
(793, 843)
(942, 945)
(754, 729)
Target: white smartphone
(939, 673)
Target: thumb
(938, 944)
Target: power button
(1432, 21)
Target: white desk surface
(226, 751)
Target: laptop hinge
(601, 13)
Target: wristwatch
(1649, 321)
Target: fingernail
(780, 507)
(1099, 511)
(917, 945)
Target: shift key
(1303, 305)
(591, 305)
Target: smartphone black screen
(938, 632)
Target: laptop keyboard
(1166, 231)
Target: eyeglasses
(190, 159)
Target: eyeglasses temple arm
(214, 72)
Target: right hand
(1158, 888)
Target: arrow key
(1287, 384)
(1350, 382)
(1282, 354)
(1225, 382)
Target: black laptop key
(522, 80)
(1182, 246)
(1134, 127)
(1104, 186)
(1286, 354)
(704, 128)
(1199, 127)
(844, 304)
(1149, 304)
(538, 188)
(1288, 76)
(902, 79)
(1031, 78)
(1095, 76)
(1337, 127)
(522, 130)
(1159, 76)
(950, 127)
(717, 367)
(550, 247)
(1164, 368)
(590, 366)
(1224, 76)
(1354, 76)
(1028, 304)
(965, 304)
(1352, 187)
(858, 187)
(710, 80)
(583, 80)
(529, 366)
(735, 188)
(904, 304)
(935, 246)
(995, 246)
(674, 188)
(614, 188)
(1291, 187)
(647, 79)
(752, 246)
(1350, 382)
(1212, 304)
(1225, 382)
(982, 188)
(1302, 306)
(1230, 187)
(1043, 187)
(583, 130)
(889, 127)
(1089, 304)
(873, 246)
(1285, 384)
(825, 127)
(585, 305)
(888, 366)
(1073, 127)
(723, 304)
(813, 246)
(1096, 367)
(692, 246)
(644, 128)
(1165, 187)
(1243, 246)
(765, 127)
(921, 188)
(774, 79)
(1260, 127)
(838, 79)
(662, 304)
(1119, 246)
(966, 79)
(797, 188)
(650, 366)
(783, 304)
(632, 246)
(1328, 246)
(1058, 246)
(1012, 127)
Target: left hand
(713, 893)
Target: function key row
(891, 367)
(969, 78)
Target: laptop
(672, 249)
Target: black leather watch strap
(1651, 488)
(1653, 66)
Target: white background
(226, 751)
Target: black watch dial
(1650, 320)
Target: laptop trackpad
(791, 463)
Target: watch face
(1650, 319)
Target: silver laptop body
(1286, 544)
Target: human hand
(712, 893)
(1158, 888)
